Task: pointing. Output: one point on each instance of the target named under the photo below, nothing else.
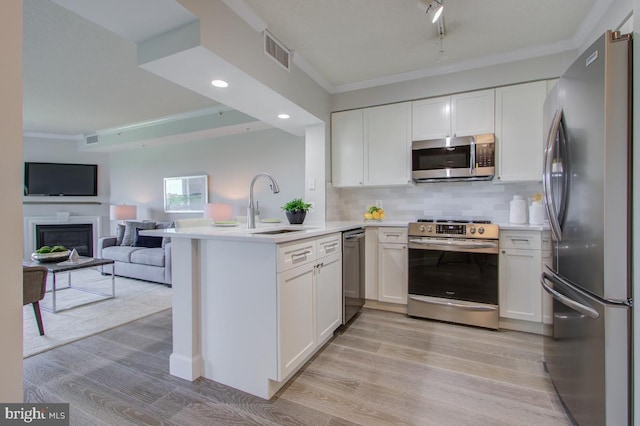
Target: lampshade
(218, 211)
(122, 212)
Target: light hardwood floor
(385, 368)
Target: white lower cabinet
(309, 299)
(328, 295)
(297, 317)
(392, 265)
(520, 266)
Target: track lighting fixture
(438, 7)
(431, 6)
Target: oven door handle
(476, 308)
(453, 244)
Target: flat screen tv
(59, 179)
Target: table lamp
(218, 211)
(122, 212)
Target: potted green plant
(296, 210)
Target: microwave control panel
(485, 155)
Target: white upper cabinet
(519, 132)
(473, 113)
(388, 145)
(371, 146)
(431, 118)
(347, 148)
(458, 115)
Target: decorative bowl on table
(56, 256)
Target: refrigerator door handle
(583, 309)
(550, 206)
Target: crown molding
(501, 58)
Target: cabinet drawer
(392, 235)
(329, 245)
(296, 253)
(528, 240)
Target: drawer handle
(392, 235)
(303, 254)
(520, 239)
(328, 246)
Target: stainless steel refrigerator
(587, 187)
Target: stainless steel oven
(453, 272)
(461, 158)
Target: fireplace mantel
(31, 222)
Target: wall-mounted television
(59, 179)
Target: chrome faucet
(251, 211)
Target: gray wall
(230, 163)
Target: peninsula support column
(186, 360)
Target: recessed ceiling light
(220, 83)
(283, 116)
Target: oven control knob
(472, 229)
(429, 228)
(481, 230)
(421, 228)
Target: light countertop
(241, 233)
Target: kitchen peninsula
(251, 306)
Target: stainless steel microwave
(451, 159)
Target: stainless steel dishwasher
(352, 272)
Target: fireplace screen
(72, 236)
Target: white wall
(11, 177)
(65, 151)
(230, 163)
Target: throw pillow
(130, 231)
(119, 234)
(146, 241)
(164, 225)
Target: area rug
(134, 300)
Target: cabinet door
(473, 113)
(347, 148)
(431, 118)
(296, 321)
(328, 295)
(388, 145)
(392, 273)
(520, 292)
(519, 132)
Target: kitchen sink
(278, 231)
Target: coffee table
(68, 266)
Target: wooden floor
(385, 368)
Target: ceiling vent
(276, 50)
(92, 139)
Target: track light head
(438, 10)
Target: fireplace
(30, 234)
(77, 236)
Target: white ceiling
(80, 77)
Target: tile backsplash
(445, 200)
